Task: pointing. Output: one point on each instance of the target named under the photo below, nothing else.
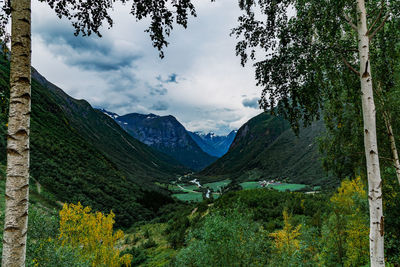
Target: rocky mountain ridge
(213, 144)
(165, 134)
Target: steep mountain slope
(79, 154)
(167, 135)
(265, 147)
(212, 144)
(136, 159)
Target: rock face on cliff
(166, 134)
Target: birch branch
(377, 19)
(380, 27)
(349, 21)
(350, 67)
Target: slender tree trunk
(389, 129)
(395, 154)
(376, 236)
(17, 185)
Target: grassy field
(280, 187)
(197, 197)
(250, 185)
(217, 185)
(191, 187)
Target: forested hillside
(80, 154)
(266, 148)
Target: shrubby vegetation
(92, 234)
(346, 228)
(286, 243)
(226, 238)
(74, 237)
(243, 228)
(268, 228)
(43, 248)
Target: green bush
(225, 239)
(48, 253)
(43, 248)
(150, 243)
(139, 255)
(176, 231)
(391, 209)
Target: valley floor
(193, 192)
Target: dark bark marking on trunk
(366, 73)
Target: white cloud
(251, 102)
(122, 72)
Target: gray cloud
(158, 90)
(251, 103)
(88, 53)
(172, 78)
(122, 80)
(160, 106)
(100, 62)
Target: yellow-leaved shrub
(347, 228)
(286, 240)
(344, 199)
(92, 233)
(348, 198)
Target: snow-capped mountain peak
(112, 115)
(213, 144)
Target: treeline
(256, 227)
(269, 228)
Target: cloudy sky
(200, 81)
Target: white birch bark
(17, 184)
(370, 142)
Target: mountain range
(213, 144)
(168, 135)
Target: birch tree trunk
(389, 129)
(376, 236)
(395, 154)
(17, 184)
